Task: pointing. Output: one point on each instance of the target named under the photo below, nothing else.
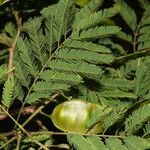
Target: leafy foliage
(8, 92)
(135, 121)
(94, 143)
(93, 53)
(3, 70)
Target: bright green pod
(72, 116)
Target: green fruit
(72, 116)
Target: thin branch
(18, 142)
(67, 133)
(33, 115)
(11, 53)
(8, 142)
(122, 59)
(13, 47)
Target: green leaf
(79, 142)
(117, 113)
(61, 77)
(134, 122)
(8, 92)
(137, 143)
(96, 33)
(3, 73)
(64, 15)
(86, 11)
(128, 15)
(146, 129)
(47, 86)
(81, 68)
(49, 31)
(96, 143)
(49, 11)
(26, 55)
(89, 143)
(37, 39)
(142, 77)
(21, 74)
(82, 55)
(97, 18)
(117, 94)
(98, 115)
(36, 97)
(111, 83)
(89, 46)
(115, 144)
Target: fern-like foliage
(146, 129)
(8, 92)
(63, 18)
(131, 19)
(22, 75)
(80, 142)
(26, 56)
(99, 17)
(117, 93)
(87, 10)
(116, 115)
(59, 63)
(117, 83)
(83, 53)
(64, 66)
(96, 33)
(89, 46)
(140, 30)
(143, 27)
(97, 116)
(76, 67)
(68, 78)
(137, 118)
(37, 40)
(3, 70)
(142, 79)
(95, 143)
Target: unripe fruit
(72, 116)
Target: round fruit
(72, 116)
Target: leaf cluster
(68, 51)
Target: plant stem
(122, 59)
(18, 142)
(48, 116)
(135, 36)
(67, 133)
(33, 115)
(8, 142)
(13, 47)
